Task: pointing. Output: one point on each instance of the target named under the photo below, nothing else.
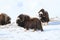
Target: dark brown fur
(34, 23)
(22, 19)
(44, 16)
(26, 22)
(4, 19)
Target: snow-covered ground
(14, 32)
(13, 8)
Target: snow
(31, 8)
(14, 32)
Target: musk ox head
(41, 13)
(22, 19)
(4, 19)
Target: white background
(30, 7)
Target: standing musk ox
(44, 16)
(26, 22)
(4, 19)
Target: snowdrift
(14, 32)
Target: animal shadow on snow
(54, 23)
(53, 28)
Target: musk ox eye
(40, 15)
(21, 19)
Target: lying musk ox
(26, 22)
(4, 19)
(44, 16)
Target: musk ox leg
(41, 29)
(39, 26)
(34, 29)
(26, 28)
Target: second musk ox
(44, 16)
(4, 19)
(29, 23)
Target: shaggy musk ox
(4, 19)
(44, 16)
(29, 23)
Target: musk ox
(29, 23)
(4, 19)
(44, 16)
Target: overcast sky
(30, 7)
